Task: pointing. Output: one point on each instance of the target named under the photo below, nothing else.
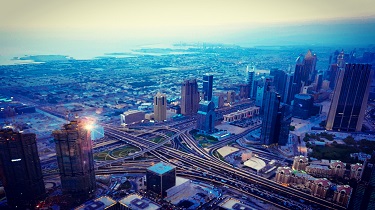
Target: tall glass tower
(250, 80)
(269, 130)
(75, 159)
(20, 169)
(350, 96)
(207, 86)
(189, 97)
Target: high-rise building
(160, 177)
(20, 169)
(160, 107)
(303, 106)
(219, 99)
(259, 95)
(263, 86)
(269, 132)
(244, 91)
(309, 63)
(250, 80)
(206, 117)
(279, 81)
(334, 69)
(288, 88)
(207, 86)
(231, 97)
(304, 73)
(75, 158)
(318, 81)
(350, 96)
(189, 97)
(363, 196)
(285, 116)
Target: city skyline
(187, 105)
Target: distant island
(44, 58)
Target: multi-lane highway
(218, 169)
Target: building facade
(160, 107)
(189, 97)
(244, 91)
(206, 117)
(303, 106)
(250, 81)
(270, 131)
(271, 107)
(20, 169)
(75, 159)
(207, 86)
(350, 96)
(132, 116)
(300, 163)
(160, 177)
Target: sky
(47, 25)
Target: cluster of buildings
(21, 173)
(314, 178)
(20, 168)
(9, 108)
(132, 201)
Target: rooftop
(161, 168)
(234, 204)
(137, 202)
(99, 203)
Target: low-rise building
(300, 163)
(101, 203)
(320, 187)
(342, 195)
(356, 171)
(283, 175)
(132, 116)
(137, 202)
(240, 114)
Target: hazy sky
(142, 14)
(28, 21)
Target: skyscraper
(288, 88)
(250, 80)
(244, 91)
(207, 86)
(206, 117)
(75, 159)
(279, 81)
(189, 97)
(160, 107)
(20, 169)
(270, 117)
(285, 116)
(364, 190)
(304, 73)
(350, 96)
(334, 69)
(309, 63)
(231, 97)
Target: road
(222, 170)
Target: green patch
(157, 139)
(102, 156)
(334, 152)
